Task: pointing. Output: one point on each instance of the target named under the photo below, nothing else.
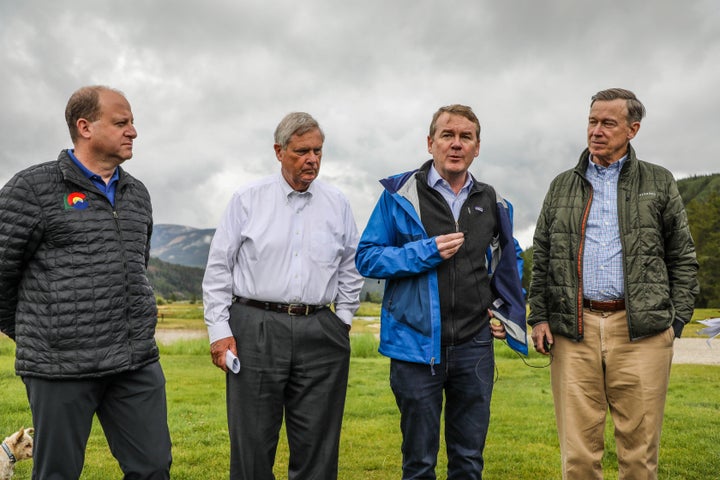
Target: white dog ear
(30, 431)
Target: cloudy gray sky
(209, 80)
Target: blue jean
(465, 376)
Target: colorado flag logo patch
(76, 200)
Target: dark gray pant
(132, 410)
(291, 365)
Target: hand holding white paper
(232, 362)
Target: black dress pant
(132, 410)
(291, 366)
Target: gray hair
(85, 103)
(295, 123)
(636, 110)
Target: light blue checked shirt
(603, 277)
(455, 202)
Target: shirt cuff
(219, 331)
(345, 315)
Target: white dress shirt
(275, 244)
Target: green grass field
(522, 443)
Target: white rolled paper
(232, 362)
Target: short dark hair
(295, 123)
(84, 103)
(636, 110)
(455, 109)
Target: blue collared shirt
(107, 189)
(455, 202)
(603, 277)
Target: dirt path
(687, 350)
(697, 350)
(170, 336)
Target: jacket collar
(72, 173)
(394, 183)
(630, 162)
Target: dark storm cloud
(208, 82)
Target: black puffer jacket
(74, 293)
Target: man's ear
(84, 128)
(634, 128)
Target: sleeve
(682, 265)
(518, 249)
(20, 233)
(509, 303)
(386, 252)
(541, 258)
(149, 234)
(350, 281)
(217, 282)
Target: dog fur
(20, 444)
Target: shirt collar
(433, 178)
(613, 166)
(289, 191)
(89, 174)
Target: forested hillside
(701, 195)
(702, 201)
(175, 282)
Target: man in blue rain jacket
(428, 237)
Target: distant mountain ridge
(181, 245)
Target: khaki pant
(607, 370)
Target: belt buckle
(300, 305)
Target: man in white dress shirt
(283, 253)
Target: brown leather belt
(289, 308)
(604, 306)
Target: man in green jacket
(614, 282)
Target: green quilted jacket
(658, 251)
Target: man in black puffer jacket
(75, 297)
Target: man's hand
(496, 327)
(540, 334)
(218, 349)
(449, 244)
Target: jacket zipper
(583, 226)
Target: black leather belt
(604, 306)
(289, 308)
